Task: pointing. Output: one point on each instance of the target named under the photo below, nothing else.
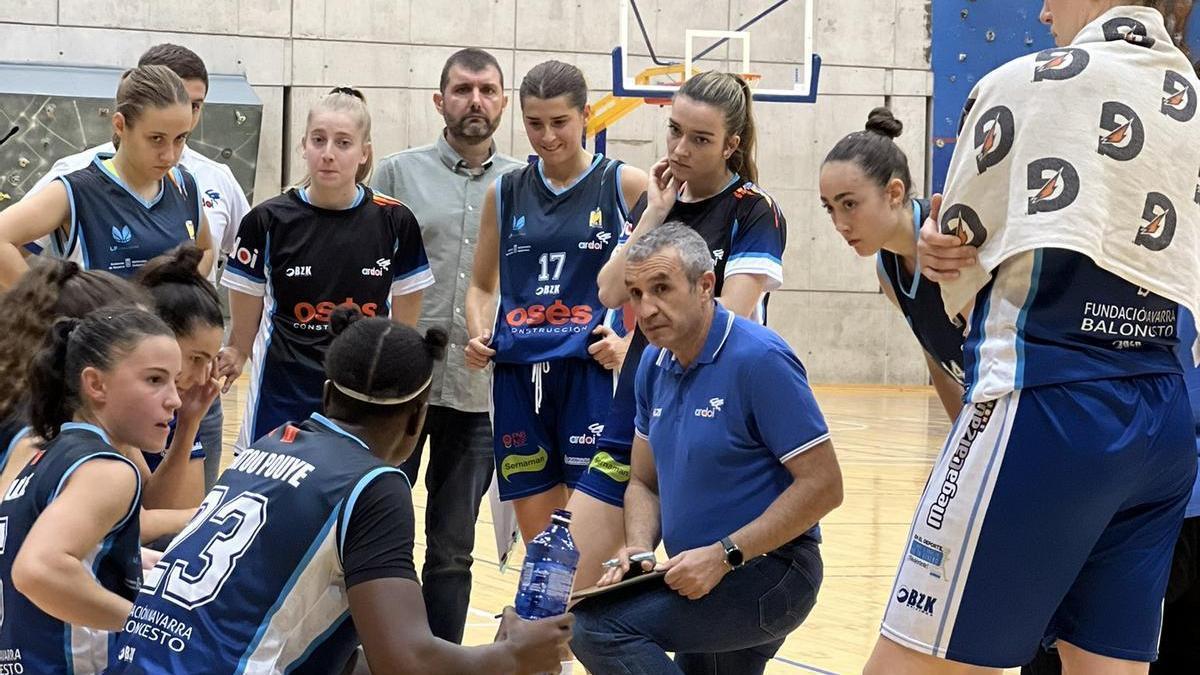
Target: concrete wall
(875, 51)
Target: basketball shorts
(608, 475)
(1051, 513)
(547, 419)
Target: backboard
(663, 42)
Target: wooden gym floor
(886, 440)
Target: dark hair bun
(60, 332)
(435, 341)
(180, 265)
(342, 318)
(881, 121)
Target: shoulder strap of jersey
(346, 507)
(612, 180)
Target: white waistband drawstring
(536, 378)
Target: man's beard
(472, 129)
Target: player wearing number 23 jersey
(257, 581)
(32, 641)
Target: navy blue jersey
(1052, 316)
(920, 301)
(304, 261)
(553, 243)
(257, 582)
(115, 229)
(36, 641)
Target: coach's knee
(593, 631)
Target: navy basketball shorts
(608, 475)
(546, 420)
(1051, 514)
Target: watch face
(733, 555)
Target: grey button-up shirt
(446, 196)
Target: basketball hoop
(751, 79)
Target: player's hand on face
(197, 399)
(662, 189)
(613, 575)
(609, 350)
(535, 645)
(693, 574)
(942, 255)
(230, 362)
(479, 354)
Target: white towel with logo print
(1093, 148)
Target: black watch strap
(733, 555)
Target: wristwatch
(733, 554)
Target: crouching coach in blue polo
(732, 469)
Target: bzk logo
(1159, 229)
(1060, 64)
(1179, 99)
(914, 599)
(126, 655)
(1054, 183)
(993, 137)
(961, 221)
(1124, 135)
(122, 235)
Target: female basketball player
(189, 305)
(319, 554)
(544, 234)
(708, 182)
(125, 208)
(100, 388)
(867, 190)
(50, 290)
(330, 242)
(1052, 513)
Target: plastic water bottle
(549, 571)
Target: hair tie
(377, 400)
(349, 91)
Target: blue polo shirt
(722, 428)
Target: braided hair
(375, 364)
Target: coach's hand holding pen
(617, 568)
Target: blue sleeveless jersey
(254, 583)
(1052, 316)
(114, 229)
(32, 641)
(920, 301)
(552, 245)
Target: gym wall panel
(29, 11)
(269, 171)
(214, 16)
(478, 23)
(360, 64)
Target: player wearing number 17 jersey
(303, 548)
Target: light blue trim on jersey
(68, 653)
(1019, 380)
(576, 181)
(1001, 436)
(982, 337)
(420, 270)
(756, 256)
(362, 484)
(287, 590)
(332, 426)
(98, 160)
(302, 192)
(21, 433)
(622, 205)
(137, 492)
(72, 230)
(68, 426)
(236, 272)
(270, 323)
(911, 293)
(317, 643)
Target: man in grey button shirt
(444, 184)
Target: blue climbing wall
(970, 38)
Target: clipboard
(601, 590)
